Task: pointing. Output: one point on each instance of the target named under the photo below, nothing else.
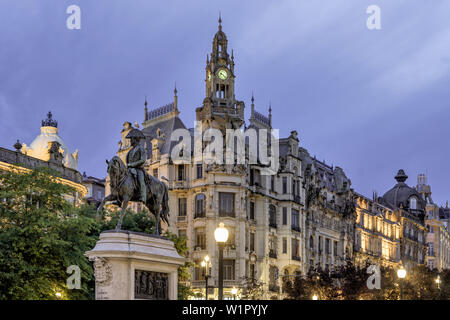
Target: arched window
(311, 242)
(200, 204)
(413, 203)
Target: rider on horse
(135, 160)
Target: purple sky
(371, 102)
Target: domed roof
(401, 193)
(40, 147)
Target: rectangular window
(200, 238)
(252, 241)
(295, 249)
(335, 248)
(182, 206)
(199, 171)
(226, 204)
(155, 173)
(272, 183)
(228, 269)
(181, 172)
(273, 247)
(284, 185)
(284, 216)
(295, 222)
(320, 244)
(327, 246)
(284, 245)
(252, 211)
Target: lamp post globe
(401, 274)
(221, 236)
(221, 233)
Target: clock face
(209, 76)
(222, 74)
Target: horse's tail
(165, 204)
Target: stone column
(132, 265)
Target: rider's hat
(135, 133)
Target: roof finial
(252, 114)
(207, 58)
(175, 98)
(145, 109)
(232, 54)
(50, 122)
(270, 113)
(220, 21)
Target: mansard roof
(331, 178)
(166, 127)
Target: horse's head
(116, 167)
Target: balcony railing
(181, 218)
(295, 228)
(272, 254)
(296, 258)
(199, 215)
(272, 224)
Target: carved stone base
(131, 265)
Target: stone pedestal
(132, 265)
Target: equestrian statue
(131, 182)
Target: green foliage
(183, 271)
(139, 222)
(41, 235)
(349, 282)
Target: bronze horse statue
(124, 188)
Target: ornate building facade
(438, 236)
(377, 233)
(279, 224)
(408, 204)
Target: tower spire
(175, 97)
(220, 21)
(145, 109)
(253, 107)
(270, 113)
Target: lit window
(413, 203)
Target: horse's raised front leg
(122, 212)
(109, 197)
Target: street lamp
(314, 297)
(234, 292)
(221, 236)
(401, 274)
(438, 281)
(205, 264)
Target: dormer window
(413, 203)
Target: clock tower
(220, 109)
